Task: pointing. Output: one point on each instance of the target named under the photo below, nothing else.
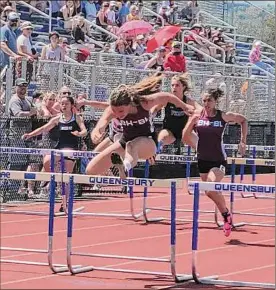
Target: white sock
(127, 165)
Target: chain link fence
(12, 129)
(253, 97)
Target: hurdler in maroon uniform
(209, 126)
(131, 105)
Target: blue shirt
(9, 36)
(90, 9)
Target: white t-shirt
(22, 40)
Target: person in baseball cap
(21, 82)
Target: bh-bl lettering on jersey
(133, 123)
(207, 123)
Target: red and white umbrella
(135, 27)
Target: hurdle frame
(208, 280)
(77, 270)
(56, 268)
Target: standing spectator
(8, 37)
(90, 10)
(20, 106)
(123, 12)
(53, 51)
(24, 48)
(157, 62)
(175, 60)
(47, 109)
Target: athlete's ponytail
(124, 94)
(215, 93)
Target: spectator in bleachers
(7, 3)
(56, 6)
(133, 13)
(68, 12)
(106, 48)
(123, 12)
(218, 39)
(175, 60)
(65, 45)
(24, 48)
(187, 12)
(78, 6)
(48, 102)
(5, 12)
(101, 18)
(138, 46)
(165, 14)
(80, 28)
(157, 62)
(8, 37)
(53, 51)
(39, 4)
(90, 10)
(112, 17)
(121, 47)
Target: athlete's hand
(194, 118)
(242, 148)
(76, 133)
(97, 136)
(26, 136)
(188, 110)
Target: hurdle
(191, 159)
(235, 187)
(173, 185)
(19, 175)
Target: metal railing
(154, 14)
(254, 97)
(185, 32)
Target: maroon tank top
(210, 137)
(136, 125)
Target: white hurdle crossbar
(173, 185)
(18, 175)
(234, 187)
(185, 159)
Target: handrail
(260, 8)
(101, 29)
(33, 8)
(3, 72)
(50, 15)
(263, 70)
(205, 40)
(253, 37)
(155, 14)
(225, 24)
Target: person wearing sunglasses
(8, 36)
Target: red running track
(247, 255)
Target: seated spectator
(255, 53)
(7, 3)
(101, 18)
(196, 29)
(80, 28)
(53, 51)
(133, 13)
(106, 48)
(68, 12)
(56, 6)
(39, 4)
(187, 12)
(175, 60)
(229, 49)
(121, 47)
(138, 46)
(165, 14)
(157, 62)
(65, 45)
(90, 10)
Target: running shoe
(118, 163)
(227, 227)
